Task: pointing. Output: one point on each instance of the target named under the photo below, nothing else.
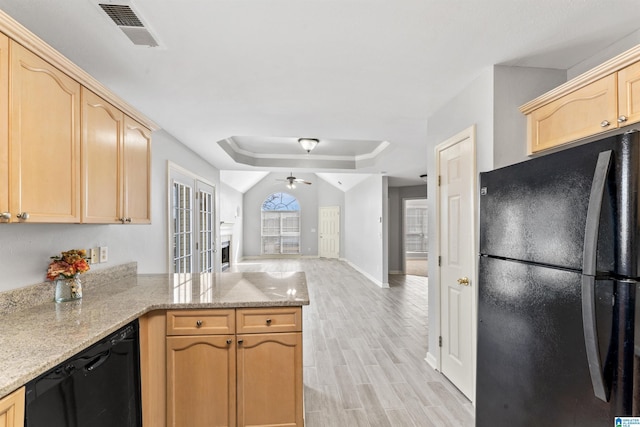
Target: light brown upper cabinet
(44, 138)
(584, 112)
(116, 154)
(629, 95)
(602, 99)
(5, 215)
(136, 166)
(102, 133)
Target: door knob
(464, 281)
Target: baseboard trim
(367, 275)
(432, 361)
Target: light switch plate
(93, 255)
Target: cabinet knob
(23, 216)
(605, 123)
(622, 119)
(198, 323)
(125, 219)
(128, 219)
(240, 341)
(268, 322)
(229, 341)
(5, 215)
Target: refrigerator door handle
(588, 275)
(600, 389)
(593, 213)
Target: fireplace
(225, 253)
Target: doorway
(416, 242)
(456, 219)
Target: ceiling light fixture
(308, 143)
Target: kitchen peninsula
(240, 308)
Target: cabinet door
(12, 409)
(44, 140)
(201, 381)
(102, 131)
(270, 379)
(629, 94)
(137, 172)
(584, 112)
(4, 128)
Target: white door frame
(469, 133)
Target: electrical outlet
(104, 254)
(93, 255)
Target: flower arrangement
(68, 264)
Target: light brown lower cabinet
(201, 380)
(217, 375)
(12, 409)
(270, 379)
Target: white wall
(599, 57)
(26, 248)
(513, 87)
(366, 228)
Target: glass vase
(68, 289)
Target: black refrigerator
(557, 287)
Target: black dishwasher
(99, 387)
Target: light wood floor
(364, 350)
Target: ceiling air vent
(127, 20)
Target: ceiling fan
(292, 180)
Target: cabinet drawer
(200, 322)
(262, 320)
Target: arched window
(280, 224)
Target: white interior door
(456, 204)
(329, 235)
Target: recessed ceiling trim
(247, 157)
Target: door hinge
(440, 341)
(439, 180)
(439, 261)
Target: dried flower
(69, 264)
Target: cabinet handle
(229, 341)
(240, 341)
(23, 216)
(605, 123)
(268, 322)
(622, 119)
(198, 323)
(5, 215)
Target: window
(416, 226)
(182, 196)
(192, 214)
(280, 224)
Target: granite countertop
(39, 337)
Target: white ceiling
(270, 71)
